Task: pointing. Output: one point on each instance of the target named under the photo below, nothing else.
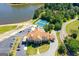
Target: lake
(14, 13)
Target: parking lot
(6, 44)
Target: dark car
(20, 32)
(18, 49)
(11, 44)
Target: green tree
(66, 15)
(61, 49)
(73, 46)
(48, 27)
(74, 35)
(57, 26)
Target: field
(73, 27)
(6, 28)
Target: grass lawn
(59, 42)
(73, 27)
(44, 48)
(7, 28)
(58, 37)
(32, 51)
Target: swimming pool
(41, 22)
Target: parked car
(18, 49)
(20, 32)
(11, 44)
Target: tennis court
(41, 22)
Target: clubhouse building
(37, 37)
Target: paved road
(53, 47)
(63, 33)
(5, 44)
(13, 32)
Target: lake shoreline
(19, 23)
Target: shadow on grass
(36, 44)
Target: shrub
(74, 35)
(61, 49)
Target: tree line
(56, 14)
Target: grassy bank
(4, 29)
